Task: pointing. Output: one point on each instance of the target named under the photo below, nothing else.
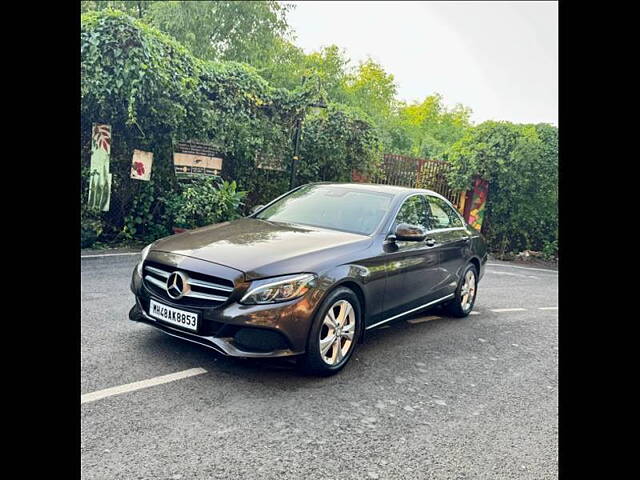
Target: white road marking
(109, 255)
(496, 272)
(130, 387)
(423, 319)
(547, 308)
(523, 268)
(473, 312)
(499, 310)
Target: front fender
(367, 283)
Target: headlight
(280, 289)
(143, 256)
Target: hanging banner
(100, 183)
(141, 165)
(192, 158)
(478, 203)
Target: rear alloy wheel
(334, 333)
(465, 295)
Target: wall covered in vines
(154, 93)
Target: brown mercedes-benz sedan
(309, 273)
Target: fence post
(418, 181)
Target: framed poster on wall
(141, 165)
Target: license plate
(173, 316)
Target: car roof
(376, 187)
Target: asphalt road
(425, 398)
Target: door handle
(430, 242)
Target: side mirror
(255, 209)
(409, 233)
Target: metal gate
(413, 173)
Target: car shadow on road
(275, 370)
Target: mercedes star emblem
(177, 285)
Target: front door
(413, 268)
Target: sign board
(100, 182)
(264, 162)
(192, 158)
(141, 165)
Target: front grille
(205, 291)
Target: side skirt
(446, 297)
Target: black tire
(454, 308)
(311, 362)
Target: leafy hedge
(154, 93)
(521, 164)
(336, 141)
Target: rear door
(448, 232)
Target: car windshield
(336, 208)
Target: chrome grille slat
(155, 281)
(213, 286)
(157, 271)
(205, 296)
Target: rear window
(442, 215)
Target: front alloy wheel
(337, 332)
(334, 333)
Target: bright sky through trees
(499, 58)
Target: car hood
(260, 248)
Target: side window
(413, 212)
(442, 215)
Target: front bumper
(277, 330)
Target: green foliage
(372, 90)
(154, 93)
(336, 141)
(223, 30)
(521, 164)
(429, 128)
(149, 86)
(143, 221)
(241, 31)
(202, 202)
(134, 8)
(550, 249)
(424, 129)
(90, 227)
(257, 33)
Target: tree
(521, 164)
(372, 90)
(336, 141)
(257, 33)
(223, 30)
(246, 31)
(133, 8)
(432, 127)
(285, 67)
(289, 65)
